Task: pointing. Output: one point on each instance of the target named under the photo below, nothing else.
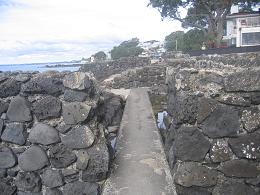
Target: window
(251, 38)
(253, 21)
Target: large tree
(194, 39)
(191, 40)
(100, 56)
(174, 41)
(126, 49)
(206, 15)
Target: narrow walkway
(140, 167)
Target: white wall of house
(243, 31)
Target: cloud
(53, 30)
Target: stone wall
(149, 76)
(56, 132)
(213, 141)
(214, 61)
(103, 70)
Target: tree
(100, 56)
(191, 40)
(172, 39)
(126, 49)
(206, 15)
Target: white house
(153, 49)
(243, 29)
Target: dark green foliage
(206, 15)
(126, 49)
(100, 56)
(191, 40)
(171, 39)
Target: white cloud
(50, 30)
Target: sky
(33, 31)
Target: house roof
(243, 14)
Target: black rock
(255, 98)
(52, 178)
(193, 174)
(7, 158)
(233, 188)
(183, 108)
(1, 126)
(82, 159)
(81, 188)
(220, 151)
(110, 111)
(43, 85)
(74, 113)
(70, 175)
(254, 181)
(84, 136)
(74, 96)
(22, 78)
(3, 107)
(246, 146)
(29, 193)
(43, 134)
(191, 190)
(3, 76)
(251, 119)
(7, 189)
(48, 107)
(223, 122)
(34, 158)
(98, 164)
(235, 100)
(3, 173)
(205, 108)
(239, 168)
(53, 191)
(13, 172)
(9, 87)
(19, 150)
(63, 128)
(60, 156)
(15, 133)
(78, 80)
(19, 110)
(243, 81)
(190, 144)
(28, 182)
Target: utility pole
(176, 45)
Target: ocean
(41, 67)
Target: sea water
(36, 67)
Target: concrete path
(140, 167)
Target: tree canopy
(191, 40)
(206, 15)
(172, 39)
(126, 49)
(100, 56)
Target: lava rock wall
(149, 76)
(213, 141)
(102, 70)
(55, 131)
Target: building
(242, 29)
(153, 49)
